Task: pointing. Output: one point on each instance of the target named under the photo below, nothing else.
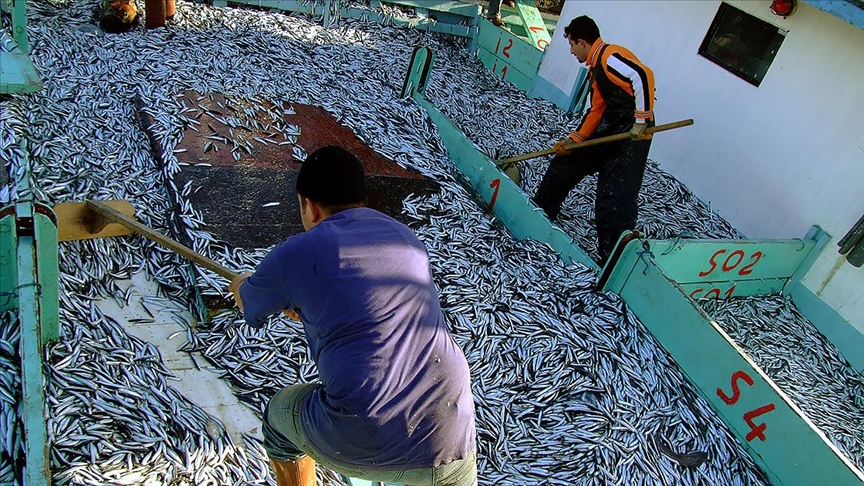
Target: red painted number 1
(755, 430)
(495, 185)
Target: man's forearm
(235, 288)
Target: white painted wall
(772, 160)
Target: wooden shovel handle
(112, 215)
(505, 163)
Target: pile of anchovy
(569, 386)
(796, 356)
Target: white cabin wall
(773, 160)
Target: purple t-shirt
(396, 390)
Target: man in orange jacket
(622, 100)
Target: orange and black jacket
(622, 92)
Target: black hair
(332, 176)
(582, 28)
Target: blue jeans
(284, 441)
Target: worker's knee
(283, 437)
(457, 473)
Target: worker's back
(396, 388)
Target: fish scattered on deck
(569, 387)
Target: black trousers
(620, 167)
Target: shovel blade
(75, 221)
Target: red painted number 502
(731, 262)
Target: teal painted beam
(532, 21)
(461, 9)
(301, 6)
(17, 74)
(727, 289)
(504, 70)
(507, 55)
(503, 197)
(19, 25)
(30, 317)
(48, 272)
(848, 340)
(8, 259)
(419, 23)
(699, 261)
(849, 11)
(768, 424)
(457, 10)
(513, 49)
(820, 240)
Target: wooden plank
(74, 221)
(17, 74)
(848, 340)
(301, 6)
(462, 9)
(425, 24)
(504, 70)
(740, 288)
(507, 46)
(773, 429)
(19, 25)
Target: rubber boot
(155, 13)
(294, 473)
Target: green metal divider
(730, 268)
(30, 281)
(509, 56)
(779, 437)
(449, 15)
(771, 427)
(17, 74)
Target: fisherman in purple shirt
(394, 401)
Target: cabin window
(741, 43)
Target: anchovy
(688, 459)
(568, 384)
